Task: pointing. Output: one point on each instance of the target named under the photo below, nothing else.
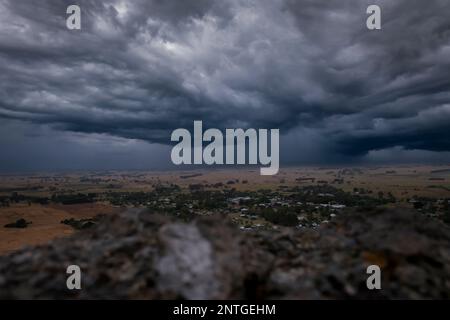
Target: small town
(305, 206)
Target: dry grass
(46, 223)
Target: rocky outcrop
(139, 255)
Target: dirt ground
(46, 223)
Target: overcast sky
(108, 96)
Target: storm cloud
(139, 69)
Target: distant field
(46, 223)
(403, 182)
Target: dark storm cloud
(139, 69)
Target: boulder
(141, 255)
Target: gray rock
(140, 255)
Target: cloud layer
(139, 69)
